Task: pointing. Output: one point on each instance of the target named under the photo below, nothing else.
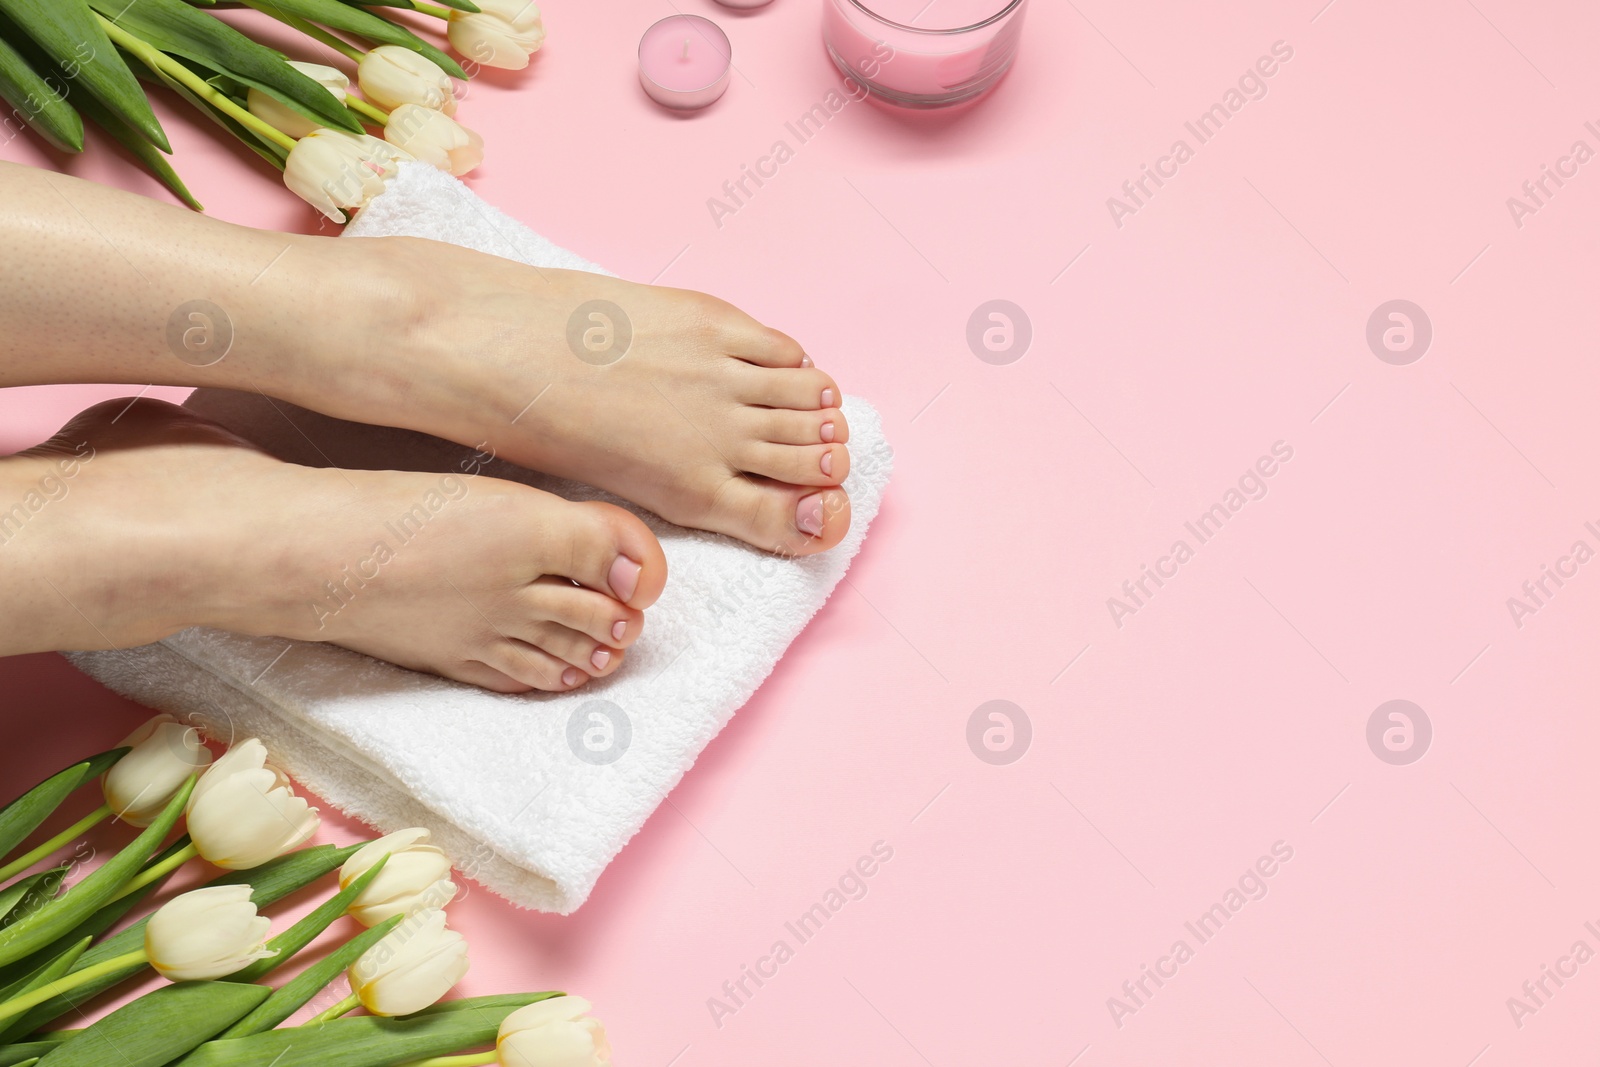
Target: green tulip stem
(68, 982)
(171, 69)
(435, 10)
(471, 1059)
(366, 110)
(159, 870)
(28, 859)
(344, 1007)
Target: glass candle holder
(923, 54)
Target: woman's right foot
(139, 519)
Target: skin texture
(139, 520)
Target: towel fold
(532, 795)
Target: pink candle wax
(920, 53)
(684, 61)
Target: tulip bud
(243, 813)
(274, 112)
(334, 171)
(416, 877)
(391, 75)
(163, 754)
(411, 967)
(553, 1033)
(501, 33)
(435, 138)
(206, 933)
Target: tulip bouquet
(214, 949)
(62, 61)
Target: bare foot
(139, 520)
(707, 418)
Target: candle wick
(686, 48)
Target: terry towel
(531, 795)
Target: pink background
(1230, 712)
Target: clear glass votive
(923, 53)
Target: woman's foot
(139, 520)
(706, 417)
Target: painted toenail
(600, 658)
(827, 432)
(808, 515)
(827, 398)
(624, 578)
(571, 676)
(827, 463)
(805, 361)
(620, 628)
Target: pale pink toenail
(805, 361)
(600, 658)
(624, 578)
(827, 432)
(619, 629)
(571, 676)
(827, 398)
(827, 463)
(808, 515)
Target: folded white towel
(516, 788)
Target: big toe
(612, 551)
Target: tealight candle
(923, 53)
(744, 3)
(684, 62)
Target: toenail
(805, 361)
(600, 658)
(827, 398)
(827, 463)
(619, 629)
(624, 578)
(827, 432)
(808, 515)
(571, 676)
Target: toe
(596, 615)
(486, 677)
(534, 667)
(784, 427)
(805, 465)
(575, 649)
(801, 389)
(789, 520)
(611, 551)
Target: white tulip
(275, 112)
(553, 1033)
(391, 75)
(435, 138)
(243, 813)
(416, 877)
(164, 753)
(411, 967)
(502, 33)
(206, 934)
(334, 171)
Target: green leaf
(268, 151)
(22, 816)
(142, 150)
(22, 896)
(35, 101)
(269, 883)
(175, 27)
(295, 993)
(302, 933)
(356, 20)
(160, 1026)
(47, 972)
(68, 31)
(82, 900)
(459, 5)
(369, 1040)
(30, 1051)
